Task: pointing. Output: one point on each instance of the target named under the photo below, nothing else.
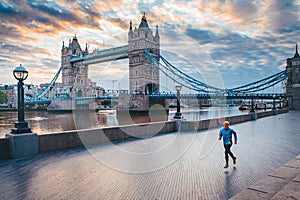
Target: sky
(236, 41)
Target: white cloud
(238, 35)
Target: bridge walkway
(172, 166)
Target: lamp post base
(177, 115)
(22, 145)
(254, 114)
(21, 127)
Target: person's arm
(235, 136)
(220, 135)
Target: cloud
(239, 36)
(244, 9)
(7, 9)
(285, 15)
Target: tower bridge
(75, 61)
(145, 66)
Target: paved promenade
(283, 183)
(185, 165)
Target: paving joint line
(296, 181)
(276, 176)
(257, 190)
(291, 167)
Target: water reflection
(38, 121)
(133, 117)
(46, 122)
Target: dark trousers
(228, 151)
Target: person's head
(226, 124)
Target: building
(8, 90)
(143, 75)
(293, 81)
(74, 75)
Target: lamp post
(252, 103)
(178, 113)
(21, 126)
(280, 103)
(274, 102)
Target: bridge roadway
(267, 96)
(115, 171)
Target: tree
(3, 97)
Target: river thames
(42, 122)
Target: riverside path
(179, 165)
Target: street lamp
(252, 103)
(21, 126)
(280, 102)
(178, 113)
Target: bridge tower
(143, 75)
(293, 81)
(74, 75)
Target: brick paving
(185, 165)
(283, 183)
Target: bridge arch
(151, 88)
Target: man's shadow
(228, 186)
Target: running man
(226, 133)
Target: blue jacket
(227, 135)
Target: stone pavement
(283, 183)
(187, 165)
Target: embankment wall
(71, 139)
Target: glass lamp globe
(178, 87)
(20, 73)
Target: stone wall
(213, 123)
(70, 139)
(87, 137)
(4, 148)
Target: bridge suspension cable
(196, 85)
(187, 77)
(189, 82)
(262, 84)
(45, 90)
(157, 64)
